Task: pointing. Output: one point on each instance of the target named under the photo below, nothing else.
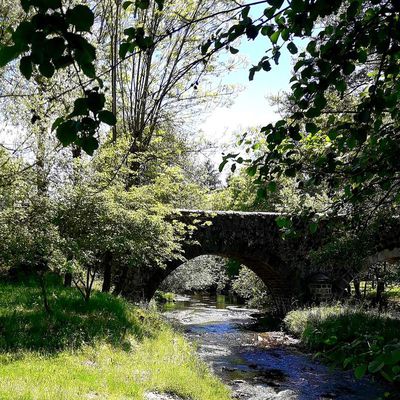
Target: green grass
(393, 293)
(365, 341)
(346, 323)
(106, 349)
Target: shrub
(364, 341)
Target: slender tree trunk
(68, 279)
(114, 66)
(76, 153)
(357, 290)
(42, 284)
(380, 288)
(107, 272)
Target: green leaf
(311, 127)
(84, 53)
(275, 3)
(251, 32)
(26, 5)
(88, 70)
(233, 50)
(67, 132)
(126, 4)
(124, 48)
(55, 47)
(285, 34)
(57, 123)
(142, 4)
(81, 17)
(25, 66)
(95, 101)
(222, 165)
(360, 371)
(80, 107)
(272, 186)
(7, 54)
(341, 86)
(47, 69)
(320, 101)
(252, 170)
(313, 227)
(375, 365)
(245, 12)
(291, 172)
(261, 193)
(313, 112)
(160, 4)
(89, 144)
(107, 117)
(283, 222)
(266, 30)
(348, 68)
(62, 61)
(292, 48)
(23, 34)
(297, 6)
(266, 66)
(362, 56)
(274, 37)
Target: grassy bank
(364, 341)
(106, 349)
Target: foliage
(164, 297)
(216, 274)
(349, 338)
(151, 62)
(355, 148)
(28, 236)
(200, 274)
(49, 39)
(251, 288)
(107, 347)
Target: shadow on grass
(24, 325)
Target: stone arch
(251, 238)
(279, 288)
(254, 239)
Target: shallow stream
(260, 366)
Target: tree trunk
(121, 282)
(380, 288)
(68, 279)
(107, 272)
(357, 290)
(44, 293)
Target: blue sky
(250, 107)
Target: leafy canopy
(352, 48)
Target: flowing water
(260, 366)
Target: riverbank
(365, 341)
(261, 366)
(104, 349)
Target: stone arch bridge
(254, 239)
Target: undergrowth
(365, 341)
(104, 349)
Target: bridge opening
(222, 278)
